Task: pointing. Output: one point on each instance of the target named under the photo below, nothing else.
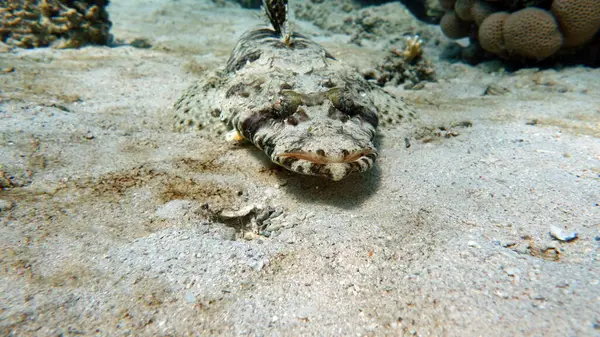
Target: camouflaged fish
(286, 94)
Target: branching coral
(60, 23)
(412, 50)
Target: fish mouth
(332, 167)
(322, 159)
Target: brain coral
(481, 10)
(62, 23)
(527, 30)
(579, 19)
(447, 4)
(491, 35)
(463, 9)
(532, 33)
(453, 27)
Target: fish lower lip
(320, 159)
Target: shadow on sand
(348, 193)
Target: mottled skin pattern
(307, 111)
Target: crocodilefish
(291, 98)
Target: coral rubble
(404, 66)
(57, 23)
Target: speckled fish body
(306, 110)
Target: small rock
(273, 227)
(522, 248)
(537, 296)
(140, 43)
(501, 294)
(5, 48)
(510, 271)
(264, 214)
(532, 122)
(474, 244)
(560, 235)
(5, 205)
(495, 90)
(226, 214)
(190, 297)
(551, 254)
(257, 265)
(507, 243)
(276, 213)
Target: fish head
(321, 135)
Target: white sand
(449, 237)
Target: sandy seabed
(104, 227)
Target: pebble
(507, 243)
(522, 248)
(560, 235)
(501, 294)
(537, 296)
(510, 271)
(474, 244)
(275, 226)
(5, 48)
(494, 89)
(190, 297)
(239, 213)
(140, 43)
(257, 265)
(5, 205)
(263, 215)
(276, 213)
